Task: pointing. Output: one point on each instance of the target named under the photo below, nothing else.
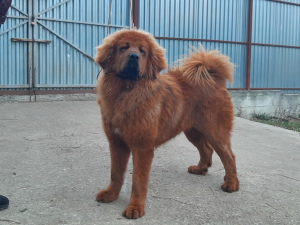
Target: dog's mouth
(131, 71)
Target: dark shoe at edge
(4, 202)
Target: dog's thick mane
(207, 68)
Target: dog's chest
(129, 113)
(123, 107)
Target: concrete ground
(54, 159)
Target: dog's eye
(124, 48)
(142, 51)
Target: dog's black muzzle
(131, 70)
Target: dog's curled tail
(207, 67)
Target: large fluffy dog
(142, 109)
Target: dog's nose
(134, 56)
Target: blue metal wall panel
(199, 19)
(275, 67)
(14, 55)
(276, 23)
(213, 19)
(74, 27)
(79, 24)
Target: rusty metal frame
(46, 92)
(199, 39)
(275, 88)
(30, 40)
(284, 2)
(30, 49)
(33, 92)
(136, 13)
(272, 45)
(249, 45)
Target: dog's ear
(104, 55)
(158, 60)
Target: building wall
(269, 102)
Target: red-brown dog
(142, 109)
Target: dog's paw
(106, 196)
(134, 212)
(231, 186)
(198, 170)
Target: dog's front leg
(119, 153)
(142, 160)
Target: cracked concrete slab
(54, 158)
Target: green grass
(291, 124)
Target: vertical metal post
(249, 45)
(135, 12)
(34, 44)
(29, 71)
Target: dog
(142, 109)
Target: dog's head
(131, 54)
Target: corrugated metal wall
(193, 19)
(76, 27)
(14, 55)
(277, 24)
(213, 19)
(174, 22)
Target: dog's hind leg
(205, 150)
(223, 149)
(119, 159)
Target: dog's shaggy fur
(142, 109)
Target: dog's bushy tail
(207, 67)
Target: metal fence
(48, 45)
(262, 37)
